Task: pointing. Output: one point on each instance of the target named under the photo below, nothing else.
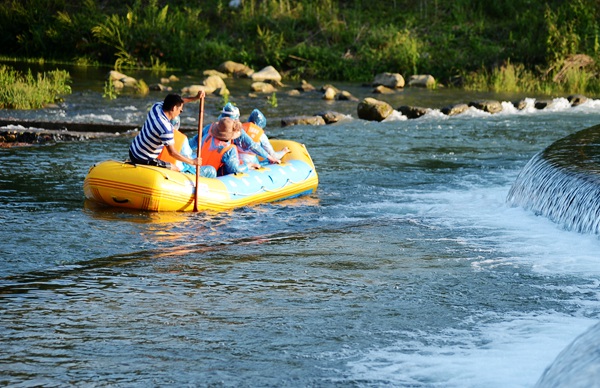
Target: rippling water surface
(406, 268)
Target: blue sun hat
(176, 122)
(258, 118)
(230, 111)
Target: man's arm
(201, 94)
(176, 155)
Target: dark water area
(407, 267)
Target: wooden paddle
(200, 125)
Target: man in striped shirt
(157, 133)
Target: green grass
(26, 91)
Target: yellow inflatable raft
(152, 188)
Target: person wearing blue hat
(244, 143)
(255, 128)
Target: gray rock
(543, 104)
(331, 117)
(235, 69)
(453, 110)
(380, 89)
(302, 120)
(490, 106)
(345, 96)
(577, 99)
(422, 81)
(412, 112)
(373, 110)
(520, 104)
(262, 87)
(267, 74)
(391, 80)
(305, 87)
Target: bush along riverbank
(477, 45)
(26, 91)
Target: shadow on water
(562, 182)
(54, 278)
(49, 278)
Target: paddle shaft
(200, 125)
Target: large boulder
(214, 72)
(267, 74)
(373, 110)
(214, 82)
(120, 80)
(422, 81)
(193, 90)
(262, 87)
(235, 69)
(391, 80)
(210, 85)
(114, 75)
(329, 94)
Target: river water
(406, 268)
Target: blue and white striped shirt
(155, 134)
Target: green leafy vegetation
(26, 91)
(501, 46)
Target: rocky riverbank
(18, 132)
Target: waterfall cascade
(562, 182)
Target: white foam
(395, 116)
(94, 117)
(511, 353)
(519, 236)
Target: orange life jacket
(213, 150)
(253, 130)
(179, 139)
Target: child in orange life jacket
(185, 150)
(244, 142)
(255, 129)
(219, 151)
